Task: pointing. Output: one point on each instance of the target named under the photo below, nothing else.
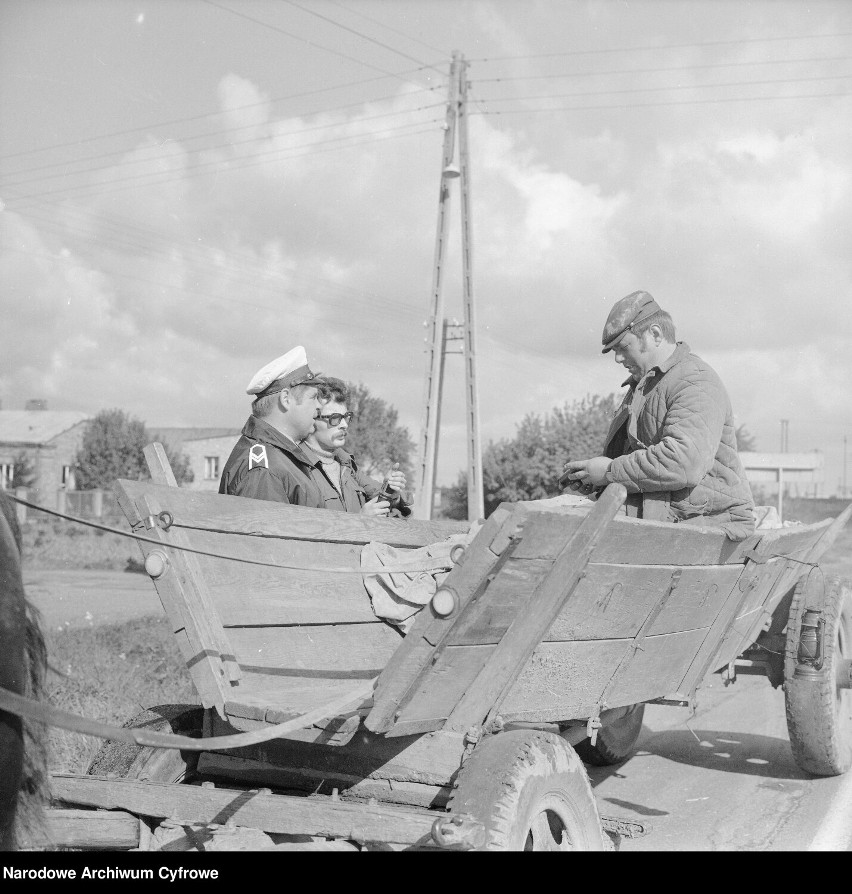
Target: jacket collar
(344, 458)
(680, 352)
(258, 430)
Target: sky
(190, 188)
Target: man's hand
(396, 480)
(376, 508)
(590, 473)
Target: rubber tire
(819, 713)
(616, 741)
(524, 780)
(153, 764)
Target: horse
(23, 662)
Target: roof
(174, 437)
(37, 426)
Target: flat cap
(286, 371)
(625, 313)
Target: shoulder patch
(257, 457)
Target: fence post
(98, 503)
(21, 494)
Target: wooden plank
(756, 579)
(432, 759)
(632, 541)
(262, 518)
(102, 830)
(180, 586)
(159, 466)
(333, 651)
(274, 699)
(319, 781)
(277, 814)
(246, 594)
(528, 628)
(414, 657)
(750, 613)
(564, 678)
(609, 602)
(561, 681)
(793, 541)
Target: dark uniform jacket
(357, 488)
(675, 433)
(267, 465)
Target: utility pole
(475, 496)
(438, 334)
(844, 467)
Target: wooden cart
(537, 653)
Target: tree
(528, 466)
(375, 436)
(745, 440)
(23, 472)
(113, 448)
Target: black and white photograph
(423, 427)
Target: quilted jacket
(675, 432)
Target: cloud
(164, 298)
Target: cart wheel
(530, 791)
(149, 764)
(616, 741)
(819, 710)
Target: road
(722, 780)
(82, 598)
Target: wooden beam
(529, 628)
(103, 830)
(281, 814)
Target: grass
(53, 543)
(110, 674)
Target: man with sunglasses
(672, 443)
(335, 472)
(267, 462)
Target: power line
(295, 133)
(670, 88)
(251, 105)
(216, 166)
(672, 46)
(359, 34)
(193, 253)
(656, 70)
(317, 46)
(649, 105)
(384, 25)
(393, 308)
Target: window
(211, 467)
(7, 471)
(68, 477)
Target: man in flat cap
(267, 462)
(673, 439)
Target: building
(206, 448)
(47, 441)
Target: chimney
(36, 404)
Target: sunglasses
(336, 418)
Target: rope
(42, 713)
(436, 564)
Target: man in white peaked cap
(267, 462)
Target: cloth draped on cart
(396, 597)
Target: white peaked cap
(284, 372)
